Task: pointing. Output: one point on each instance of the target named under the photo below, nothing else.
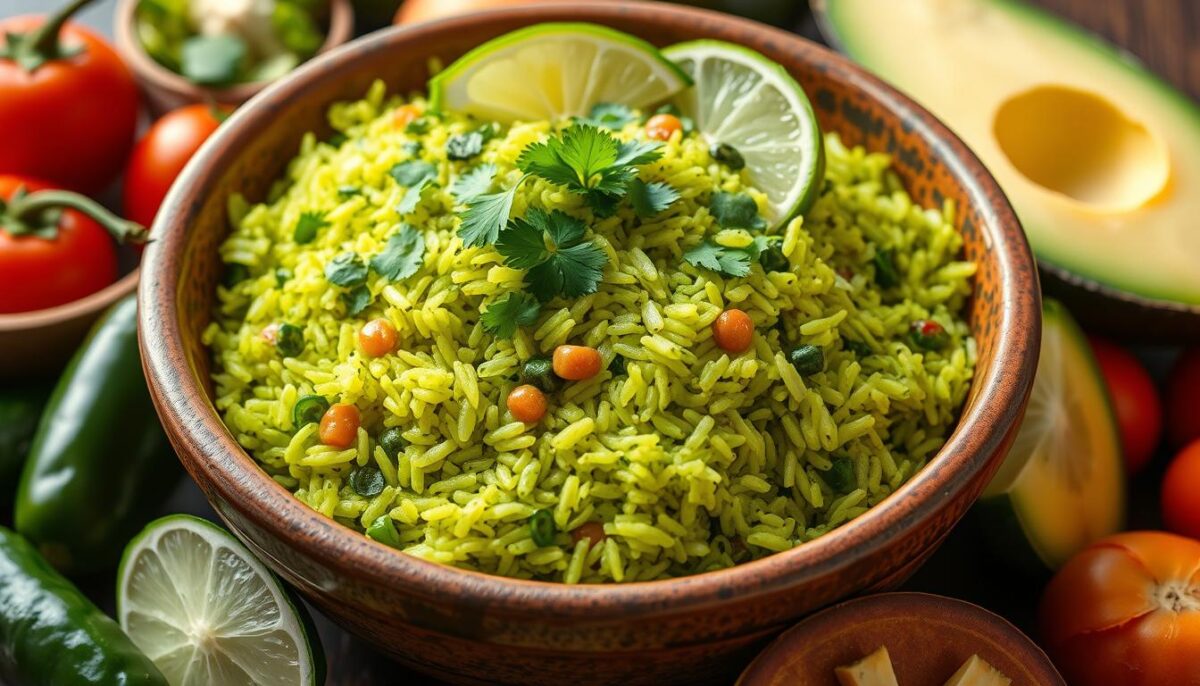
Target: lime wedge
(745, 100)
(205, 611)
(553, 71)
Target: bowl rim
(214, 458)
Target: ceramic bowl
(927, 636)
(165, 90)
(474, 628)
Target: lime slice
(745, 100)
(205, 611)
(553, 71)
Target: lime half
(553, 71)
(205, 611)
(745, 100)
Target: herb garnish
(648, 199)
(464, 146)
(346, 270)
(356, 299)
(736, 211)
(308, 226)
(719, 258)
(416, 176)
(402, 256)
(504, 316)
(473, 183)
(552, 247)
(609, 115)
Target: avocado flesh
(1100, 158)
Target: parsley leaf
(346, 270)
(473, 183)
(308, 226)
(504, 316)
(718, 258)
(570, 265)
(609, 115)
(648, 199)
(486, 215)
(412, 196)
(413, 172)
(402, 256)
(356, 299)
(736, 211)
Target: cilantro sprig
(552, 248)
(504, 316)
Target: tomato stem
(32, 214)
(42, 45)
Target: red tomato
(161, 154)
(1181, 492)
(422, 10)
(1135, 399)
(70, 120)
(1126, 610)
(1183, 399)
(38, 272)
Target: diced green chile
(367, 481)
(289, 340)
(617, 366)
(840, 476)
(857, 347)
(539, 372)
(885, 269)
(807, 359)
(927, 334)
(282, 276)
(727, 155)
(308, 410)
(234, 274)
(393, 442)
(772, 258)
(542, 528)
(384, 531)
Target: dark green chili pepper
(807, 359)
(857, 347)
(289, 340)
(308, 410)
(727, 155)
(772, 258)
(927, 334)
(367, 481)
(21, 406)
(282, 276)
(885, 269)
(617, 366)
(539, 372)
(542, 528)
(840, 477)
(234, 274)
(393, 442)
(384, 531)
(50, 633)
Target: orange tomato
(377, 337)
(339, 425)
(1126, 610)
(576, 362)
(527, 404)
(733, 331)
(405, 114)
(1181, 493)
(663, 126)
(422, 10)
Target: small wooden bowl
(928, 637)
(469, 627)
(165, 90)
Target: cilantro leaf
(308, 226)
(609, 115)
(473, 183)
(504, 316)
(727, 261)
(413, 172)
(346, 270)
(418, 126)
(632, 153)
(412, 196)
(402, 256)
(485, 216)
(588, 161)
(464, 146)
(581, 267)
(736, 211)
(571, 266)
(522, 242)
(541, 159)
(648, 199)
(356, 299)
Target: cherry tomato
(339, 426)
(405, 114)
(663, 126)
(46, 272)
(377, 337)
(1139, 411)
(1181, 492)
(1183, 399)
(421, 10)
(527, 404)
(733, 331)
(69, 109)
(161, 154)
(576, 362)
(1126, 610)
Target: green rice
(692, 459)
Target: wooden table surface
(1164, 34)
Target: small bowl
(928, 637)
(469, 627)
(165, 90)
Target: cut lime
(1062, 485)
(745, 100)
(205, 611)
(553, 71)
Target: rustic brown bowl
(474, 628)
(927, 636)
(165, 90)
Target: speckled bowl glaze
(468, 627)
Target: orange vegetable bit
(339, 425)
(592, 531)
(405, 114)
(733, 331)
(577, 362)
(377, 337)
(663, 126)
(527, 404)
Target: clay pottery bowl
(469, 627)
(927, 636)
(165, 90)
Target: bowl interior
(256, 144)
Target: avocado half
(1100, 158)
